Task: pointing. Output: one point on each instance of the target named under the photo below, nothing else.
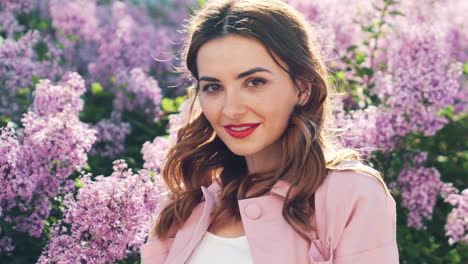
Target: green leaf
(465, 68)
(454, 256)
(448, 111)
(364, 71)
(6, 119)
(73, 37)
(340, 75)
(370, 28)
(168, 105)
(42, 25)
(23, 91)
(78, 183)
(351, 48)
(376, 7)
(123, 86)
(35, 79)
(179, 100)
(442, 159)
(96, 88)
(360, 57)
(396, 13)
(41, 49)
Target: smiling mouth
(240, 131)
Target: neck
(265, 160)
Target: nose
(234, 106)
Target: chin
(242, 151)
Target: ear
(305, 90)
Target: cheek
(280, 113)
(209, 109)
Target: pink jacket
(355, 218)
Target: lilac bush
(19, 63)
(155, 152)
(9, 24)
(336, 30)
(403, 68)
(403, 65)
(128, 40)
(144, 93)
(457, 223)
(419, 187)
(110, 140)
(120, 46)
(17, 5)
(421, 79)
(51, 146)
(75, 18)
(109, 218)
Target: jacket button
(253, 211)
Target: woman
(257, 176)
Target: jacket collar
(280, 188)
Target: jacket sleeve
(356, 221)
(155, 250)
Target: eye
(257, 81)
(210, 88)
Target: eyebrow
(241, 75)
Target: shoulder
(354, 179)
(359, 192)
(355, 205)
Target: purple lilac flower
(6, 245)
(335, 25)
(176, 121)
(457, 221)
(111, 135)
(139, 91)
(19, 63)
(442, 23)
(78, 28)
(51, 146)
(17, 6)
(9, 24)
(75, 17)
(155, 152)
(17, 66)
(421, 80)
(448, 189)
(10, 153)
(52, 99)
(420, 187)
(371, 129)
(129, 40)
(359, 127)
(109, 216)
(449, 15)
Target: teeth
(240, 128)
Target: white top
(216, 249)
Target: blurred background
(90, 101)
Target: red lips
(241, 133)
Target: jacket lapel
(190, 234)
(195, 227)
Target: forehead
(233, 54)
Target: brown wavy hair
(311, 146)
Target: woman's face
(241, 85)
